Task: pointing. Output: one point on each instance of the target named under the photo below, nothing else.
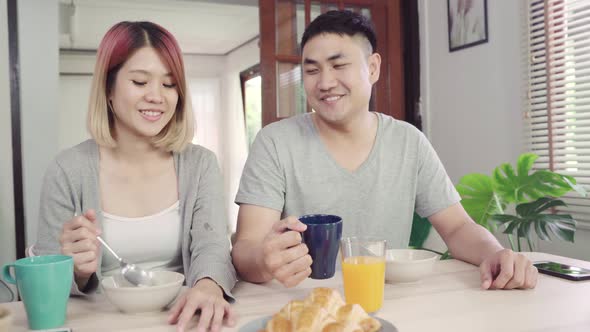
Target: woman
(151, 194)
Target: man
(366, 167)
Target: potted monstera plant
(516, 201)
(520, 201)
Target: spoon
(132, 273)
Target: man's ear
(374, 63)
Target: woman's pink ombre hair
(119, 43)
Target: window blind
(558, 96)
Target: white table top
(449, 300)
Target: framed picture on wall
(468, 23)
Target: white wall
(74, 92)
(7, 241)
(38, 47)
(472, 99)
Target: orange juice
(364, 279)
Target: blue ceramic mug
(322, 238)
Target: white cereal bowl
(131, 299)
(408, 265)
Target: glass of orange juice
(363, 271)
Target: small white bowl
(408, 265)
(131, 299)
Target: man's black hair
(342, 22)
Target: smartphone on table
(564, 271)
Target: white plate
(260, 323)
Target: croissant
(278, 323)
(328, 298)
(355, 314)
(292, 310)
(341, 327)
(322, 311)
(312, 318)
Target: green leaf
(420, 230)
(551, 203)
(504, 218)
(562, 233)
(567, 224)
(525, 163)
(561, 222)
(526, 209)
(504, 182)
(510, 227)
(563, 226)
(572, 182)
(524, 187)
(552, 218)
(538, 206)
(524, 230)
(446, 255)
(541, 231)
(479, 199)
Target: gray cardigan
(71, 186)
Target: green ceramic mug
(44, 284)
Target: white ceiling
(213, 27)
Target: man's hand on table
(207, 297)
(506, 269)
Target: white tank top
(152, 242)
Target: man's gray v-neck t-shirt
(289, 169)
